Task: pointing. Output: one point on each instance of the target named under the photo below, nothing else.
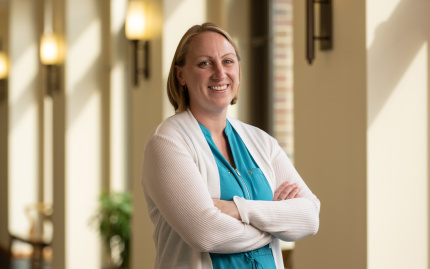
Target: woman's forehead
(209, 43)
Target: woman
(220, 193)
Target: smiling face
(211, 73)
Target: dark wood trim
(260, 65)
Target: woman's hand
(227, 207)
(286, 191)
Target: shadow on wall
(85, 67)
(396, 43)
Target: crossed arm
(294, 211)
(286, 191)
(173, 182)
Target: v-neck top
(244, 180)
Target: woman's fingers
(298, 192)
(279, 190)
(286, 191)
(294, 193)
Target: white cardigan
(180, 178)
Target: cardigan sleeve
(289, 220)
(172, 180)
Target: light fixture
(4, 68)
(325, 27)
(4, 72)
(50, 58)
(136, 30)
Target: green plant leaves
(113, 219)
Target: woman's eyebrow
(234, 54)
(210, 57)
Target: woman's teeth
(218, 88)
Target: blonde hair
(178, 96)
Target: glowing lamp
(49, 50)
(4, 69)
(136, 30)
(135, 24)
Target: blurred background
(83, 84)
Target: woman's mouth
(219, 87)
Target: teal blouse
(245, 180)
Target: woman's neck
(215, 122)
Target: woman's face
(211, 73)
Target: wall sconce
(4, 72)
(136, 31)
(50, 58)
(325, 27)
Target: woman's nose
(218, 72)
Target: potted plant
(113, 220)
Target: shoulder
(174, 125)
(180, 129)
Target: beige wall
(361, 120)
(119, 98)
(239, 27)
(85, 91)
(24, 165)
(398, 34)
(80, 148)
(80, 130)
(330, 138)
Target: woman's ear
(180, 75)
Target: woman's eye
(203, 64)
(228, 61)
